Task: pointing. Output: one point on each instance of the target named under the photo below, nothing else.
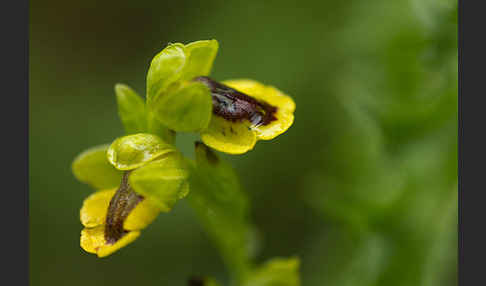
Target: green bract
(135, 116)
(131, 109)
(163, 180)
(165, 69)
(92, 167)
(171, 98)
(186, 109)
(222, 207)
(132, 151)
(179, 61)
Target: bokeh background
(363, 186)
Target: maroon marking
(122, 203)
(236, 106)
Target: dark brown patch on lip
(236, 106)
(122, 203)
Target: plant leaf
(222, 208)
(131, 109)
(187, 109)
(92, 167)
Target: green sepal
(178, 62)
(92, 167)
(132, 151)
(186, 109)
(165, 69)
(222, 207)
(131, 109)
(163, 180)
(201, 57)
(277, 271)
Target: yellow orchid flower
(230, 116)
(153, 176)
(113, 218)
(245, 111)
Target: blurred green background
(363, 186)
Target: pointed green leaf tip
(132, 151)
(164, 180)
(186, 109)
(92, 167)
(277, 271)
(131, 109)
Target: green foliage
(131, 109)
(388, 188)
(222, 207)
(132, 151)
(163, 180)
(276, 272)
(92, 167)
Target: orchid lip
(122, 203)
(234, 105)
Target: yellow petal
(229, 137)
(108, 249)
(93, 238)
(142, 215)
(93, 241)
(94, 209)
(284, 103)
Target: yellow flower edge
(93, 241)
(93, 216)
(240, 137)
(273, 96)
(142, 215)
(229, 137)
(94, 209)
